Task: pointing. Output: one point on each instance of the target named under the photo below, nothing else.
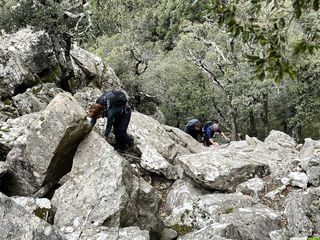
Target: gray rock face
(188, 209)
(40, 207)
(3, 168)
(7, 111)
(281, 234)
(211, 206)
(104, 191)
(298, 179)
(16, 65)
(108, 80)
(222, 170)
(107, 233)
(310, 160)
(278, 152)
(281, 139)
(149, 132)
(251, 187)
(90, 64)
(148, 205)
(253, 223)
(36, 98)
(301, 208)
(213, 231)
(18, 223)
(42, 145)
(27, 59)
(13, 131)
(87, 95)
(181, 194)
(153, 161)
(180, 206)
(185, 144)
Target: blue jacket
(208, 132)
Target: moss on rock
(182, 229)
(45, 214)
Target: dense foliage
(254, 65)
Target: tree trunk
(265, 114)
(62, 54)
(285, 127)
(252, 129)
(233, 121)
(296, 133)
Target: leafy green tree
(171, 14)
(269, 23)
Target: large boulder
(277, 138)
(153, 161)
(16, 61)
(90, 64)
(179, 206)
(18, 223)
(169, 142)
(254, 223)
(104, 190)
(222, 171)
(252, 187)
(36, 98)
(278, 152)
(310, 160)
(301, 208)
(188, 209)
(42, 145)
(181, 194)
(26, 59)
(159, 145)
(209, 207)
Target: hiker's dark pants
(120, 127)
(192, 132)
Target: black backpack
(114, 98)
(119, 99)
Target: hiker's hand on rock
(215, 144)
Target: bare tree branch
(199, 63)
(213, 44)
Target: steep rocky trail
(60, 179)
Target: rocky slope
(59, 179)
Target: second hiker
(209, 131)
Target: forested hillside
(254, 65)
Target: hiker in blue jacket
(193, 128)
(209, 131)
(118, 113)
